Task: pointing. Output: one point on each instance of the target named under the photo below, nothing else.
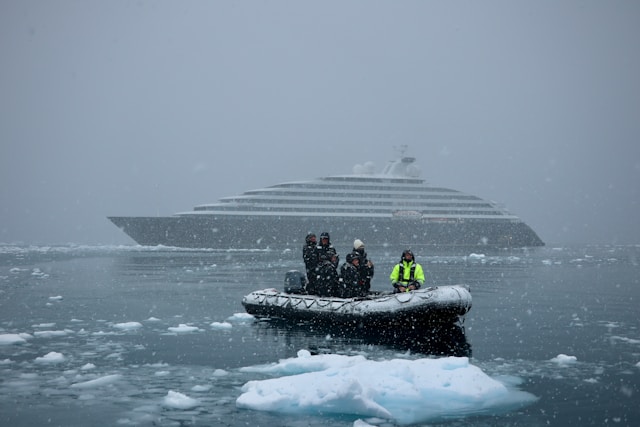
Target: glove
(395, 284)
(415, 284)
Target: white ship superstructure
(394, 206)
(394, 193)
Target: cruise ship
(393, 207)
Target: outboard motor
(294, 282)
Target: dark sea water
(529, 307)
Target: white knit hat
(357, 244)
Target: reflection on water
(437, 340)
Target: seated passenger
(407, 275)
(326, 279)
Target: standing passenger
(365, 269)
(310, 257)
(327, 273)
(326, 251)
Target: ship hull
(261, 232)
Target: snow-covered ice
(399, 390)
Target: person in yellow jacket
(407, 275)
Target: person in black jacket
(326, 251)
(310, 257)
(365, 267)
(348, 283)
(326, 270)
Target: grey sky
(149, 108)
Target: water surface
(529, 306)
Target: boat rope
(334, 305)
(428, 293)
(297, 301)
(404, 297)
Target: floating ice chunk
(625, 339)
(36, 272)
(56, 298)
(87, 367)
(241, 317)
(8, 339)
(182, 328)
(51, 334)
(98, 382)
(403, 391)
(221, 325)
(177, 400)
(52, 357)
(44, 325)
(563, 359)
(128, 326)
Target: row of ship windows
(352, 187)
(351, 194)
(320, 209)
(404, 204)
(352, 179)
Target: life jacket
(412, 273)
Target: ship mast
(401, 149)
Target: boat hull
(445, 304)
(261, 232)
(441, 340)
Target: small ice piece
(241, 317)
(128, 326)
(563, 359)
(177, 400)
(221, 325)
(98, 382)
(51, 358)
(8, 339)
(182, 328)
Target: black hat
(352, 256)
(323, 235)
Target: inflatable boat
(438, 304)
